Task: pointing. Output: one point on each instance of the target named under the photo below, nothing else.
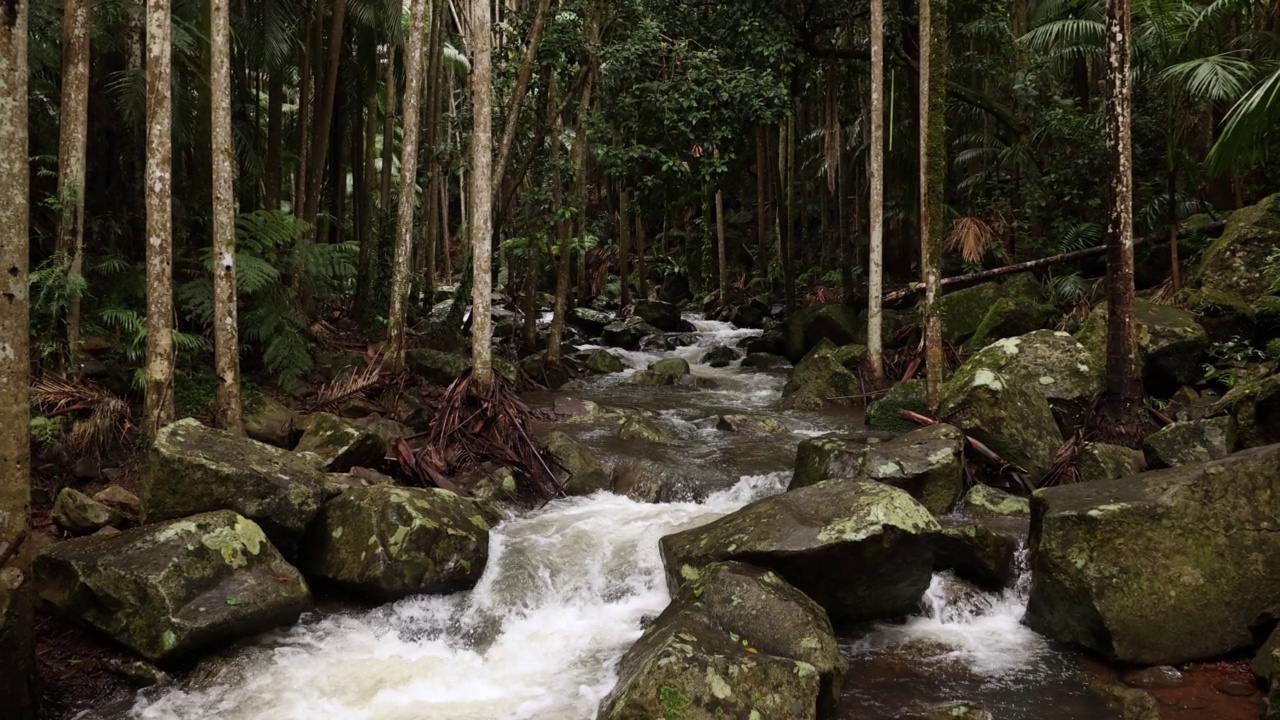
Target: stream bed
(568, 588)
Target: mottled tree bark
(481, 220)
(396, 319)
(17, 632)
(624, 244)
(722, 247)
(323, 124)
(158, 410)
(933, 173)
(72, 144)
(273, 172)
(1124, 383)
(226, 334)
(875, 259)
(556, 331)
(522, 89)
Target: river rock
(267, 420)
(821, 379)
(339, 444)
(878, 533)
(738, 642)
(720, 357)
(764, 361)
(954, 710)
(751, 315)
(1159, 677)
(984, 500)
(589, 321)
(978, 554)
(80, 514)
(1010, 317)
(904, 395)
(1170, 343)
(389, 431)
(637, 428)
(834, 455)
(1234, 263)
(805, 329)
(1134, 704)
(674, 367)
(1193, 441)
(751, 424)
(1255, 405)
(117, 497)
(927, 462)
(582, 473)
(651, 482)
(662, 315)
(963, 310)
(628, 334)
(603, 362)
(1054, 364)
(1100, 461)
(770, 342)
(389, 542)
(169, 590)
(1006, 415)
(434, 366)
(193, 469)
(1165, 567)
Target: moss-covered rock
(927, 462)
(1054, 364)
(1193, 441)
(1011, 317)
(751, 315)
(1255, 405)
(662, 315)
(821, 379)
(1100, 461)
(986, 501)
(80, 514)
(1234, 263)
(603, 362)
(904, 395)
(764, 361)
(759, 424)
(628, 334)
(1266, 661)
(441, 368)
(589, 321)
(834, 455)
(770, 342)
(388, 542)
(863, 550)
(977, 553)
(1170, 342)
(339, 444)
(670, 366)
(122, 500)
(640, 429)
(170, 590)
(582, 472)
(651, 482)
(720, 357)
(1004, 413)
(267, 420)
(835, 322)
(193, 469)
(737, 643)
(966, 310)
(1165, 567)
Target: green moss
(673, 703)
(905, 395)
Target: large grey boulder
(1101, 461)
(589, 321)
(339, 444)
(738, 642)
(1170, 342)
(662, 315)
(80, 514)
(1160, 568)
(387, 542)
(628, 334)
(170, 590)
(877, 536)
(1233, 265)
(834, 455)
(194, 469)
(268, 420)
(441, 368)
(821, 379)
(1193, 441)
(580, 471)
(1004, 413)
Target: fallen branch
(978, 446)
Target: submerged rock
(1193, 441)
(80, 514)
(636, 428)
(340, 444)
(388, 542)
(169, 590)
(877, 533)
(1165, 567)
(738, 642)
(582, 472)
(194, 469)
(751, 424)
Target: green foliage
(47, 431)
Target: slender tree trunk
(1124, 383)
(481, 224)
(388, 135)
(273, 172)
(522, 89)
(226, 333)
(624, 244)
(72, 144)
(304, 112)
(933, 171)
(396, 318)
(17, 595)
(762, 198)
(159, 410)
(1171, 210)
(365, 171)
(787, 242)
(641, 269)
(722, 245)
(875, 261)
(529, 330)
(556, 332)
(325, 111)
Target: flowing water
(569, 588)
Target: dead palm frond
(109, 425)
(970, 237)
(352, 383)
(1065, 468)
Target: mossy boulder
(638, 428)
(770, 342)
(758, 424)
(980, 554)
(1005, 413)
(1233, 264)
(737, 643)
(1011, 317)
(662, 315)
(80, 514)
(1100, 461)
(193, 469)
(582, 473)
(1193, 441)
(904, 395)
(927, 462)
(651, 482)
(170, 590)
(589, 321)
(821, 379)
(339, 444)
(1162, 568)
(434, 366)
(1054, 364)
(1255, 405)
(964, 312)
(1266, 661)
(118, 498)
(764, 361)
(628, 334)
(1170, 343)
(388, 542)
(986, 501)
(267, 420)
(834, 455)
(805, 329)
(603, 362)
(752, 315)
(720, 357)
(863, 550)
(674, 367)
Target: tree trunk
(158, 410)
(304, 112)
(272, 175)
(1124, 383)
(933, 172)
(522, 89)
(723, 248)
(481, 222)
(364, 172)
(1175, 264)
(396, 318)
(388, 136)
(787, 240)
(624, 245)
(324, 111)
(72, 144)
(762, 193)
(641, 269)
(226, 334)
(556, 331)
(17, 595)
(875, 260)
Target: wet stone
(1155, 678)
